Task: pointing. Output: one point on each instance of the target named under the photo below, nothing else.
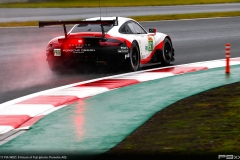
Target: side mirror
(152, 30)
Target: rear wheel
(167, 52)
(53, 63)
(134, 58)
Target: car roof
(120, 19)
(108, 18)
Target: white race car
(108, 41)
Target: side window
(131, 27)
(138, 29)
(125, 29)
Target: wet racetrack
(24, 69)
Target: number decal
(150, 43)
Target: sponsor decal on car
(123, 50)
(146, 48)
(57, 52)
(150, 43)
(79, 50)
(88, 50)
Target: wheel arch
(168, 37)
(172, 45)
(132, 66)
(135, 41)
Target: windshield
(90, 28)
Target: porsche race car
(111, 41)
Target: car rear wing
(101, 22)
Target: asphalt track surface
(25, 71)
(37, 14)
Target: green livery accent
(150, 44)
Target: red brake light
(71, 41)
(75, 41)
(109, 43)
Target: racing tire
(167, 52)
(134, 58)
(53, 64)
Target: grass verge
(144, 18)
(18, 24)
(204, 124)
(109, 3)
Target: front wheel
(134, 58)
(167, 52)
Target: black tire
(134, 58)
(167, 52)
(53, 64)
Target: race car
(112, 41)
